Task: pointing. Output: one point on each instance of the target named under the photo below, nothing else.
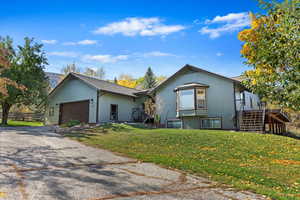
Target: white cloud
(49, 41)
(82, 42)
(229, 23)
(157, 54)
(105, 58)
(219, 54)
(139, 26)
(64, 54)
(87, 42)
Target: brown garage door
(74, 111)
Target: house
(90, 100)
(196, 98)
(190, 98)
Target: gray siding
(71, 91)
(125, 106)
(220, 97)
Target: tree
(272, 49)
(90, 72)
(127, 80)
(70, 68)
(160, 79)
(100, 73)
(127, 83)
(6, 54)
(149, 79)
(26, 70)
(115, 80)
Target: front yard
(266, 164)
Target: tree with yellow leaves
(272, 49)
(127, 81)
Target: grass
(23, 123)
(266, 164)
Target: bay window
(201, 98)
(186, 99)
(191, 99)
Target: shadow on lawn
(292, 135)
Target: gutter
(97, 109)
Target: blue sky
(128, 36)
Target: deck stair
(252, 120)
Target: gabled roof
(239, 78)
(188, 67)
(100, 85)
(191, 85)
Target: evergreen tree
(149, 79)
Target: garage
(74, 111)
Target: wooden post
(272, 126)
(280, 128)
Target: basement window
(211, 123)
(176, 123)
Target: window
(251, 102)
(186, 99)
(201, 103)
(174, 124)
(51, 111)
(113, 112)
(211, 123)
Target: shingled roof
(188, 67)
(101, 85)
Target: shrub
(72, 123)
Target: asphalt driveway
(38, 164)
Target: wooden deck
(265, 120)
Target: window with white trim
(201, 98)
(186, 99)
(191, 99)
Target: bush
(72, 123)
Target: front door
(114, 112)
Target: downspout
(97, 109)
(235, 111)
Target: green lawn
(266, 164)
(22, 123)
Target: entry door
(74, 111)
(114, 112)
